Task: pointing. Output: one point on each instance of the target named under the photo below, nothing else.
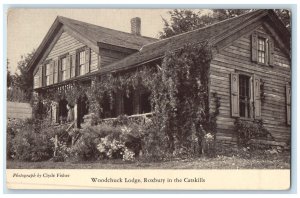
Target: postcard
(148, 99)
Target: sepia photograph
(148, 89)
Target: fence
(18, 110)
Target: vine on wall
(179, 95)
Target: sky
(27, 27)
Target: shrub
(13, 127)
(32, 142)
(247, 130)
(86, 146)
(155, 145)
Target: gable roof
(212, 33)
(93, 35)
(99, 34)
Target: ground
(244, 161)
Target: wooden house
(249, 72)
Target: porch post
(75, 115)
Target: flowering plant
(208, 138)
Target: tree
(9, 77)
(24, 79)
(185, 20)
(285, 17)
(222, 14)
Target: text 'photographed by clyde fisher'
(148, 99)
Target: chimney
(136, 26)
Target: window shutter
(55, 69)
(73, 65)
(257, 101)
(59, 70)
(254, 47)
(235, 111)
(68, 66)
(77, 64)
(87, 60)
(51, 72)
(40, 75)
(36, 80)
(288, 104)
(271, 52)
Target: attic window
(262, 50)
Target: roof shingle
(157, 49)
(105, 35)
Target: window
(81, 62)
(261, 50)
(63, 70)
(48, 73)
(244, 96)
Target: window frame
(247, 102)
(251, 94)
(77, 65)
(47, 75)
(267, 52)
(262, 51)
(62, 72)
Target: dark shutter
(254, 47)
(59, 71)
(235, 95)
(44, 75)
(288, 104)
(77, 64)
(51, 72)
(87, 60)
(256, 95)
(73, 65)
(271, 52)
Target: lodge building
(250, 70)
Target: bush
(247, 130)
(155, 145)
(32, 142)
(13, 127)
(86, 146)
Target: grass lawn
(259, 161)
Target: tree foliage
(184, 20)
(24, 79)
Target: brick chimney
(136, 26)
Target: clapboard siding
(237, 57)
(109, 56)
(68, 44)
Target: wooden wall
(237, 56)
(110, 56)
(68, 44)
